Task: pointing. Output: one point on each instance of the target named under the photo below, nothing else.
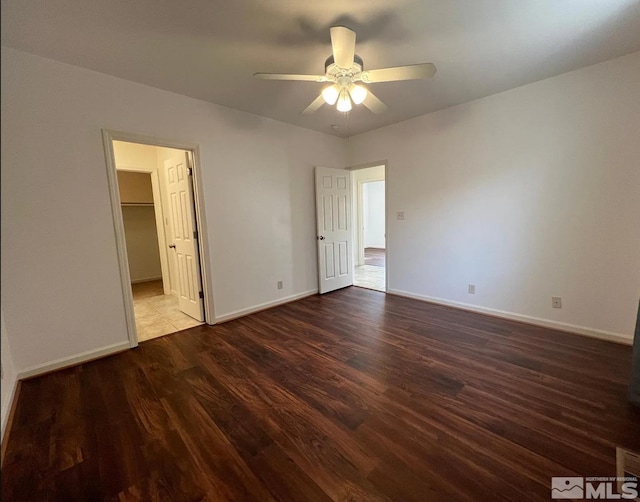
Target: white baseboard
(136, 281)
(73, 360)
(7, 405)
(263, 306)
(537, 321)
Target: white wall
(528, 194)
(142, 243)
(373, 200)
(58, 247)
(141, 235)
(8, 374)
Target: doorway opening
(156, 217)
(370, 253)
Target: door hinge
(201, 294)
(195, 234)
(190, 171)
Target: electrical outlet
(472, 289)
(400, 215)
(279, 284)
(556, 302)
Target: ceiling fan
(344, 70)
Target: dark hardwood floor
(354, 395)
(374, 256)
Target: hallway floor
(372, 274)
(157, 314)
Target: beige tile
(163, 301)
(186, 322)
(159, 315)
(167, 309)
(150, 320)
(159, 328)
(175, 315)
(143, 310)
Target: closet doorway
(158, 239)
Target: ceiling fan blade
(315, 104)
(411, 72)
(290, 76)
(343, 43)
(373, 103)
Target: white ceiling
(209, 49)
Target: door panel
(333, 206)
(329, 257)
(342, 212)
(185, 244)
(343, 262)
(327, 220)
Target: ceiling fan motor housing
(331, 68)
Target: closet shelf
(134, 204)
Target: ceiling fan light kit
(358, 93)
(344, 93)
(330, 94)
(345, 69)
(344, 103)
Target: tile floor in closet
(157, 314)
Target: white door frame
(108, 137)
(358, 217)
(159, 216)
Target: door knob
(172, 246)
(321, 238)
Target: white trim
(263, 306)
(121, 247)
(360, 222)
(65, 362)
(203, 238)
(609, 336)
(9, 405)
(365, 165)
(159, 214)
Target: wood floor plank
(354, 395)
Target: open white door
(333, 207)
(184, 236)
